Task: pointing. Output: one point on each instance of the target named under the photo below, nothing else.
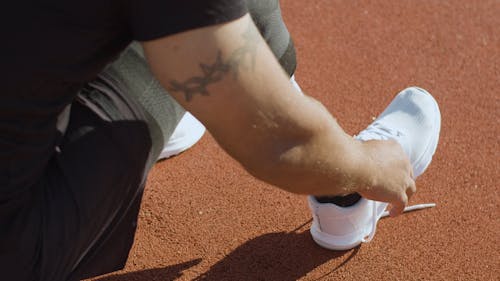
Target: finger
(412, 188)
(398, 206)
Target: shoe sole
(320, 238)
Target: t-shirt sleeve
(152, 19)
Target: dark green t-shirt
(51, 48)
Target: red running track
(205, 218)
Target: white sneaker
(295, 84)
(414, 121)
(188, 132)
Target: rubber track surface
(205, 218)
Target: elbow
(280, 166)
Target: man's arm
(228, 78)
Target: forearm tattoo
(212, 73)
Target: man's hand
(391, 178)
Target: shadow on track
(170, 272)
(275, 256)
(272, 256)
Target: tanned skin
(227, 77)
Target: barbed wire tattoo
(216, 71)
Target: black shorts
(79, 220)
(267, 17)
(86, 204)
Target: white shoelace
(375, 217)
(377, 131)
